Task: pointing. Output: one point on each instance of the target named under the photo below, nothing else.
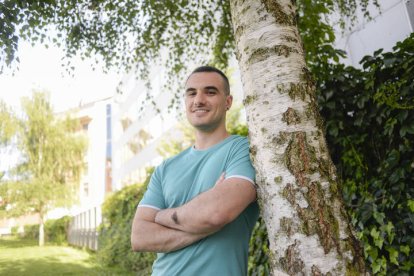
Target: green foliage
(115, 233)
(31, 231)
(14, 230)
(51, 157)
(129, 34)
(55, 230)
(258, 263)
(124, 33)
(370, 131)
(7, 124)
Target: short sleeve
(239, 163)
(153, 196)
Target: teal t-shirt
(179, 179)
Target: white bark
(41, 232)
(307, 230)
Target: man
(200, 206)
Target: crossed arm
(172, 229)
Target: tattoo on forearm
(174, 217)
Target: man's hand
(211, 210)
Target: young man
(200, 206)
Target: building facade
(393, 22)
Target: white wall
(383, 31)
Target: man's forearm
(153, 237)
(148, 236)
(211, 210)
(189, 218)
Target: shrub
(370, 132)
(14, 230)
(31, 231)
(114, 234)
(55, 230)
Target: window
(409, 5)
(86, 189)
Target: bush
(14, 230)
(370, 132)
(31, 231)
(55, 230)
(115, 232)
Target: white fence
(83, 230)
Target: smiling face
(206, 101)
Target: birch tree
(297, 184)
(305, 218)
(51, 159)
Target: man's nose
(199, 98)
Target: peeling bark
(308, 229)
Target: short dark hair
(211, 69)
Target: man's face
(206, 101)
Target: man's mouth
(200, 111)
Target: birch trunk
(41, 230)
(307, 225)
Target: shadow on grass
(50, 266)
(6, 243)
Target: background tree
(294, 171)
(7, 124)
(51, 162)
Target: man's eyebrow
(211, 87)
(189, 89)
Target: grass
(20, 257)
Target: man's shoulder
(239, 141)
(239, 138)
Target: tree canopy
(130, 34)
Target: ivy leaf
(405, 249)
(379, 264)
(393, 255)
(378, 240)
(389, 229)
(379, 217)
(410, 204)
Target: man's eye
(211, 92)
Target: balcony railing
(83, 229)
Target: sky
(40, 69)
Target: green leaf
(379, 264)
(405, 249)
(410, 204)
(389, 229)
(393, 255)
(379, 217)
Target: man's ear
(229, 101)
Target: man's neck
(204, 140)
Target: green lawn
(24, 257)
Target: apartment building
(141, 122)
(393, 22)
